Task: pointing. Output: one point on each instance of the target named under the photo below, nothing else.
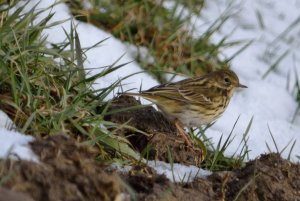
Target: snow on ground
(12, 143)
(267, 100)
(178, 172)
(175, 173)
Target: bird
(194, 102)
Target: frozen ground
(268, 100)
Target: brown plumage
(194, 101)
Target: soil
(268, 178)
(68, 171)
(162, 137)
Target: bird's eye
(227, 80)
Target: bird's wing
(197, 91)
(168, 91)
(189, 90)
(201, 96)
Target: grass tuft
(280, 152)
(216, 159)
(45, 89)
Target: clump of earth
(68, 170)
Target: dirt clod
(150, 186)
(268, 178)
(163, 138)
(67, 171)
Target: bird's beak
(242, 86)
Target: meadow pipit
(194, 101)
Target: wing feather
(189, 90)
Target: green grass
(215, 159)
(296, 92)
(45, 90)
(277, 150)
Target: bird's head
(227, 79)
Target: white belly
(191, 119)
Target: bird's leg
(183, 134)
